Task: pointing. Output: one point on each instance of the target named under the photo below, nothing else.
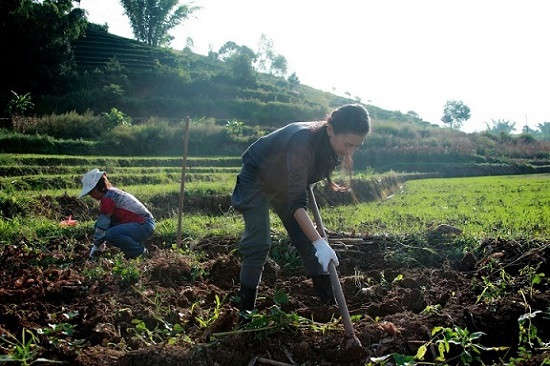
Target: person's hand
(93, 250)
(99, 235)
(325, 253)
(98, 246)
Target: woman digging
(277, 170)
(123, 220)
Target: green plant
(493, 290)
(116, 118)
(234, 127)
(210, 315)
(467, 343)
(285, 255)
(431, 309)
(19, 104)
(24, 351)
(533, 277)
(125, 271)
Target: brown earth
(112, 322)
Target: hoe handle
(335, 281)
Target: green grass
(116, 161)
(70, 181)
(19, 170)
(505, 206)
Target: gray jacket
(289, 159)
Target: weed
(125, 271)
(431, 309)
(210, 315)
(24, 351)
(494, 290)
(467, 342)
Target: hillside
(143, 81)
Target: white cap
(89, 181)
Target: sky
(403, 55)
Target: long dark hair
(348, 119)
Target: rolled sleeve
(298, 159)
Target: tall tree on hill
(544, 130)
(152, 19)
(455, 113)
(500, 126)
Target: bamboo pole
(182, 185)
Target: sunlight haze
(398, 55)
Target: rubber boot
(323, 288)
(248, 298)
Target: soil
(40, 289)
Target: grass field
(396, 269)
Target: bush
(70, 125)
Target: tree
(279, 66)
(37, 36)
(455, 113)
(152, 19)
(239, 59)
(544, 130)
(500, 126)
(293, 79)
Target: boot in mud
(323, 288)
(247, 303)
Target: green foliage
(466, 342)
(20, 104)
(151, 20)
(544, 130)
(39, 34)
(125, 271)
(455, 113)
(500, 126)
(234, 127)
(115, 118)
(164, 333)
(209, 316)
(24, 351)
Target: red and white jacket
(123, 207)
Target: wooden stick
(335, 281)
(272, 362)
(182, 185)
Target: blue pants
(129, 237)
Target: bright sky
(396, 54)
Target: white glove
(325, 253)
(97, 247)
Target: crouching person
(123, 220)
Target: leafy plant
(24, 351)
(126, 271)
(19, 104)
(493, 290)
(467, 342)
(116, 118)
(234, 127)
(210, 315)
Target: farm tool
(350, 339)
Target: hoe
(350, 340)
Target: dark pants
(250, 199)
